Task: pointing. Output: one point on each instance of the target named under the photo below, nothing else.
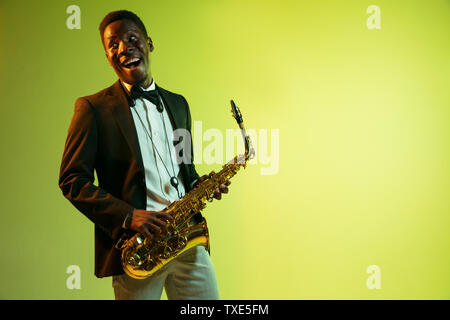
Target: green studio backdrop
(356, 120)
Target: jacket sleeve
(76, 178)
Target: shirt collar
(151, 87)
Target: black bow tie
(151, 95)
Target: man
(125, 133)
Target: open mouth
(131, 63)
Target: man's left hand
(223, 188)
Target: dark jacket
(102, 137)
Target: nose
(126, 47)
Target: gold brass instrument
(141, 257)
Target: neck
(145, 84)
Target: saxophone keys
(150, 263)
(140, 239)
(182, 242)
(166, 253)
(135, 260)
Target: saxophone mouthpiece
(236, 113)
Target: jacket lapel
(122, 113)
(178, 117)
(173, 109)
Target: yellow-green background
(363, 117)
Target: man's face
(127, 50)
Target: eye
(133, 38)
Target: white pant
(191, 275)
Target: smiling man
(126, 134)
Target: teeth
(132, 60)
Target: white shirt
(149, 122)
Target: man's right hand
(152, 224)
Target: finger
(217, 194)
(154, 229)
(167, 219)
(165, 216)
(228, 182)
(223, 188)
(162, 225)
(146, 232)
(159, 222)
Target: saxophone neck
(249, 151)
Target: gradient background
(363, 151)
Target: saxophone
(142, 257)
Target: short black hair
(120, 15)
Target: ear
(150, 44)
